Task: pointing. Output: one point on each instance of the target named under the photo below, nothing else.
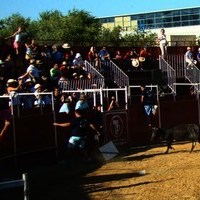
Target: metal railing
(95, 80)
(23, 182)
(112, 72)
(177, 62)
(192, 75)
(119, 77)
(168, 74)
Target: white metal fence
(168, 73)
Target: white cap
(37, 86)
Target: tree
(49, 27)
(9, 25)
(139, 38)
(81, 29)
(110, 37)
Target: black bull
(182, 132)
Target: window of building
(194, 17)
(110, 19)
(177, 19)
(176, 13)
(185, 18)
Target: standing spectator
(80, 127)
(17, 40)
(93, 57)
(55, 74)
(78, 61)
(32, 72)
(163, 42)
(29, 50)
(149, 103)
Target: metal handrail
(169, 74)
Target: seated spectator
(189, 59)
(63, 83)
(68, 54)
(57, 98)
(55, 74)
(28, 100)
(78, 61)
(131, 60)
(118, 59)
(13, 87)
(56, 55)
(104, 54)
(144, 58)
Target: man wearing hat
(68, 54)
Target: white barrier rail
(168, 73)
(17, 183)
(101, 93)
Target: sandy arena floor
(168, 176)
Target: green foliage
(81, 28)
(139, 38)
(78, 28)
(9, 25)
(110, 37)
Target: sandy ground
(168, 176)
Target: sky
(96, 8)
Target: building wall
(181, 24)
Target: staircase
(176, 74)
(114, 76)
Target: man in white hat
(66, 46)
